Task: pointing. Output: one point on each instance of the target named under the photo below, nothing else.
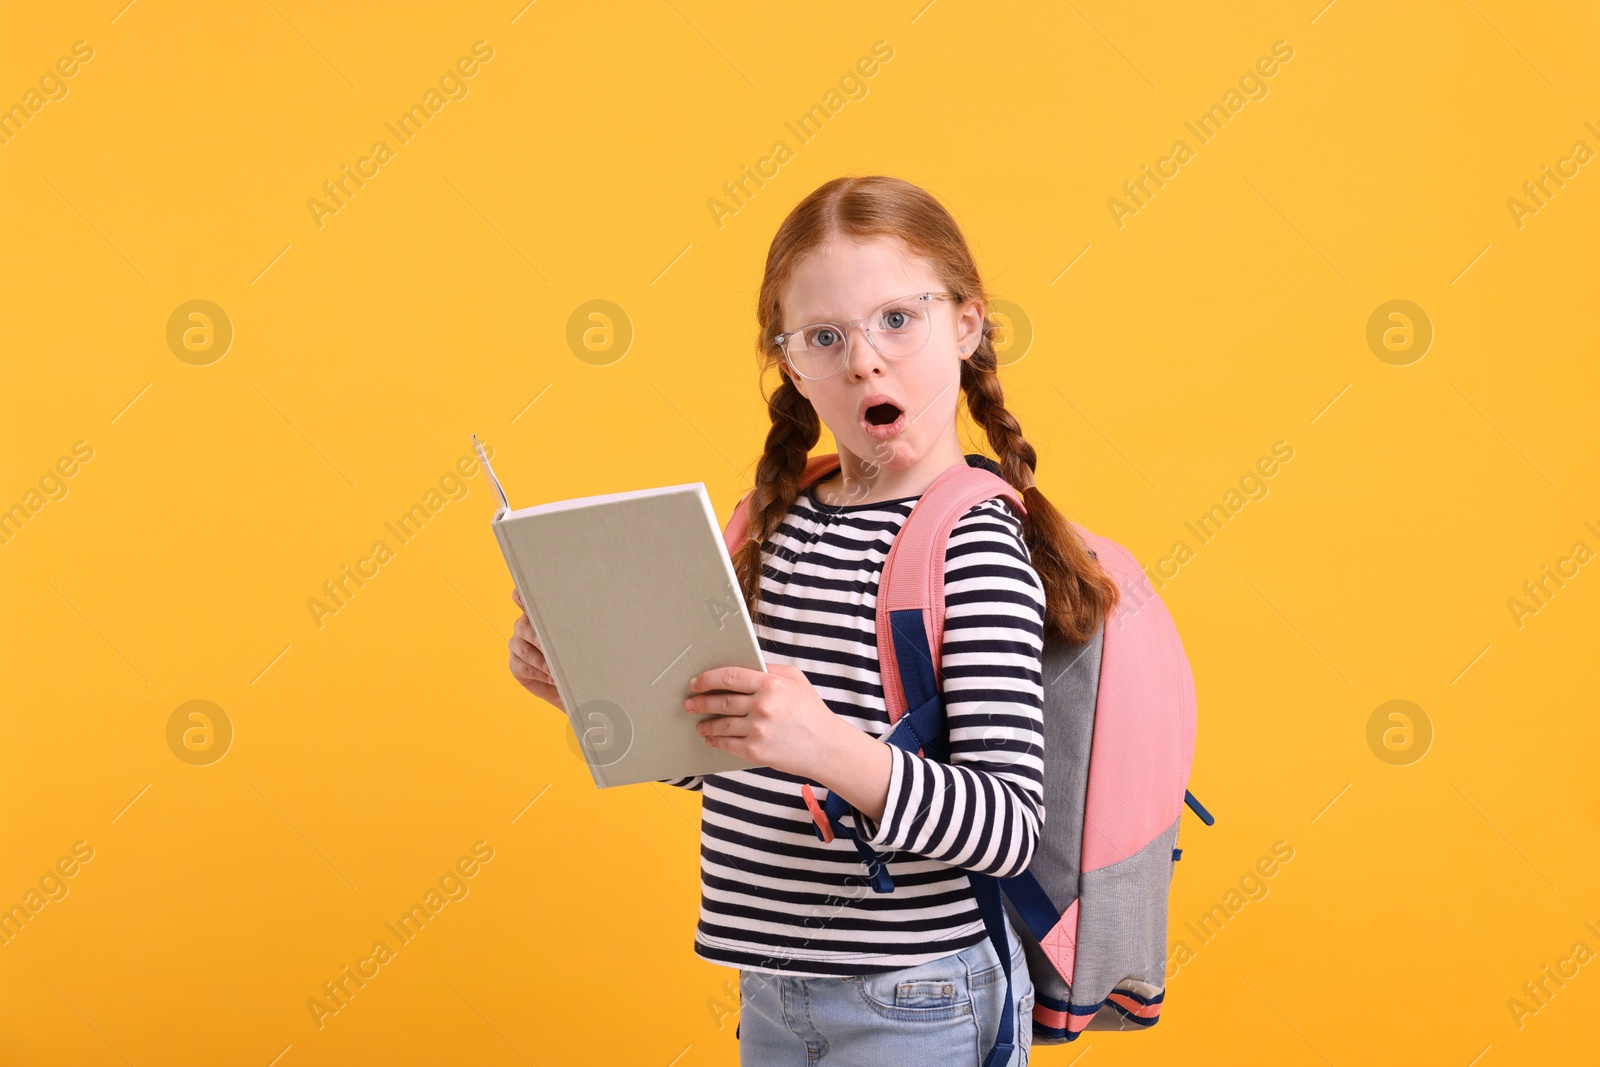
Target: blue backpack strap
(835, 807)
(1038, 912)
(921, 729)
(987, 890)
(924, 726)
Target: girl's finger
(522, 671)
(530, 674)
(523, 629)
(544, 692)
(737, 704)
(724, 726)
(526, 669)
(527, 649)
(530, 655)
(737, 679)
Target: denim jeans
(940, 1014)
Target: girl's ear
(799, 383)
(969, 329)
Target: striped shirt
(774, 897)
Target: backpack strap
(910, 621)
(910, 641)
(911, 588)
(910, 625)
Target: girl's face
(911, 430)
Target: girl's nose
(861, 355)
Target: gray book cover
(631, 595)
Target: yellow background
(371, 753)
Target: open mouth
(883, 420)
(882, 414)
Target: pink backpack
(1119, 725)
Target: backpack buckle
(824, 826)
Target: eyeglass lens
(898, 328)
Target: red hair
(1079, 595)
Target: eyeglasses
(899, 328)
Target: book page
(605, 498)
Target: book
(631, 595)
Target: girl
(871, 311)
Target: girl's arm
(982, 810)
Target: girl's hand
(774, 718)
(528, 664)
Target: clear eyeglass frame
(920, 300)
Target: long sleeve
(982, 810)
(694, 782)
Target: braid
(1078, 594)
(795, 430)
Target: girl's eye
(896, 319)
(822, 337)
